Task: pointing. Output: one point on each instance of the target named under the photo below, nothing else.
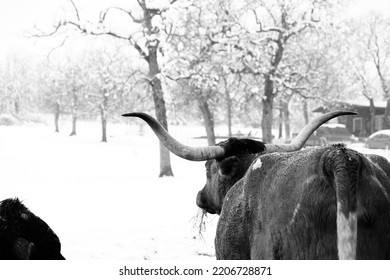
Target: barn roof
(351, 103)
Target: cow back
(289, 204)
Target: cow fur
(23, 235)
(290, 207)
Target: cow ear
(228, 166)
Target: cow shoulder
(379, 162)
(231, 241)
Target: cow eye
(223, 179)
(24, 216)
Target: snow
(105, 200)
(333, 125)
(380, 132)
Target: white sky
(364, 6)
(17, 16)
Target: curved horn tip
(134, 114)
(348, 113)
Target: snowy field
(105, 200)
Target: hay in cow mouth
(200, 222)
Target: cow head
(228, 161)
(224, 173)
(23, 235)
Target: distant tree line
(258, 63)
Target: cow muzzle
(203, 203)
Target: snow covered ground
(105, 200)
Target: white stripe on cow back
(257, 164)
(346, 234)
(294, 214)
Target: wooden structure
(359, 125)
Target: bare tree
(201, 57)
(258, 49)
(366, 61)
(74, 86)
(53, 100)
(148, 46)
(16, 84)
(110, 76)
(277, 24)
(65, 90)
(378, 45)
(192, 63)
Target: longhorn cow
(280, 202)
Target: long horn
(217, 152)
(179, 149)
(298, 142)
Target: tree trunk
(280, 121)
(159, 104)
(57, 116)
(269, 95)
(268, 103)
(161, 115)
(16, 107)
(386, 119)
(208, 121)
(74, 122)
(228, 108)
(305, 112)
(286, 118)
(155, 83)
(74, 113)
(386, 93)
(372, 115)
(103, 114)
(104, 125)
(229, 114)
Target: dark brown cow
(276, 202)
(322, 203)
(24, 236)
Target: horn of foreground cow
(217, 152)
(298, 142)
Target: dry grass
(199, 221)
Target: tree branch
(59, 46)
(179, 78)
(56, 29)
(326, 101)
(113, 34)
(104, 14)
(76, 10)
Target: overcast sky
(17, 16)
